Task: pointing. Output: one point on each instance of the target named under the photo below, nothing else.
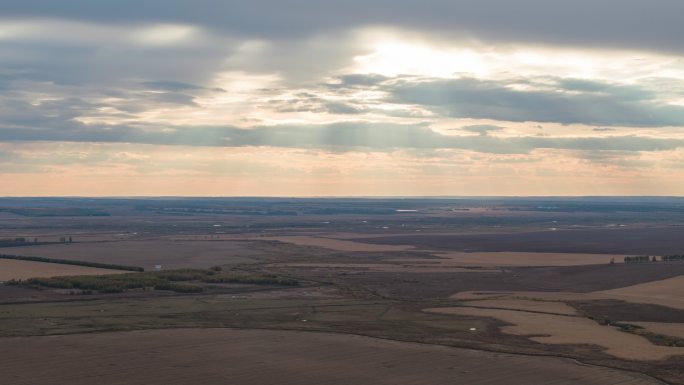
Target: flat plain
(537, 290)
(220, 356)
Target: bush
(179, 288)
(253, 280)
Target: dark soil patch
(664, 240)
(625, 311)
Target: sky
(341, 98)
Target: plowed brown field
(16, 269)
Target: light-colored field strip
(336, 244)
(666, 292)
(388, 268)
(566, 330)
(248, 357)
(512, 259)
(16, 269)
(553, 307)
(663, 328)
(559, 329)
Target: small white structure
(157, 267)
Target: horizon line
(327, 196)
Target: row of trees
(646, 258)
(640, 259)
(23, 241)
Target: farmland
(548, 328)
(217, 356)
(442, 284)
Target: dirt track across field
(225, 356)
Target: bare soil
(667, 292)
(17, 269)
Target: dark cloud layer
(482, 129)
(590, 102)
(639, 24)
(50, 85)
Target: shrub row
(158, 280)
(254, 280)
(112, 283)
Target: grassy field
(220, 356)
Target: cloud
(344, 109)
(174, 73)
(631, 24)
(345, 136)
(482, 129)
(565, 101)
(357, 81)
(69, 52)
(7, 156)
(170, 85)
